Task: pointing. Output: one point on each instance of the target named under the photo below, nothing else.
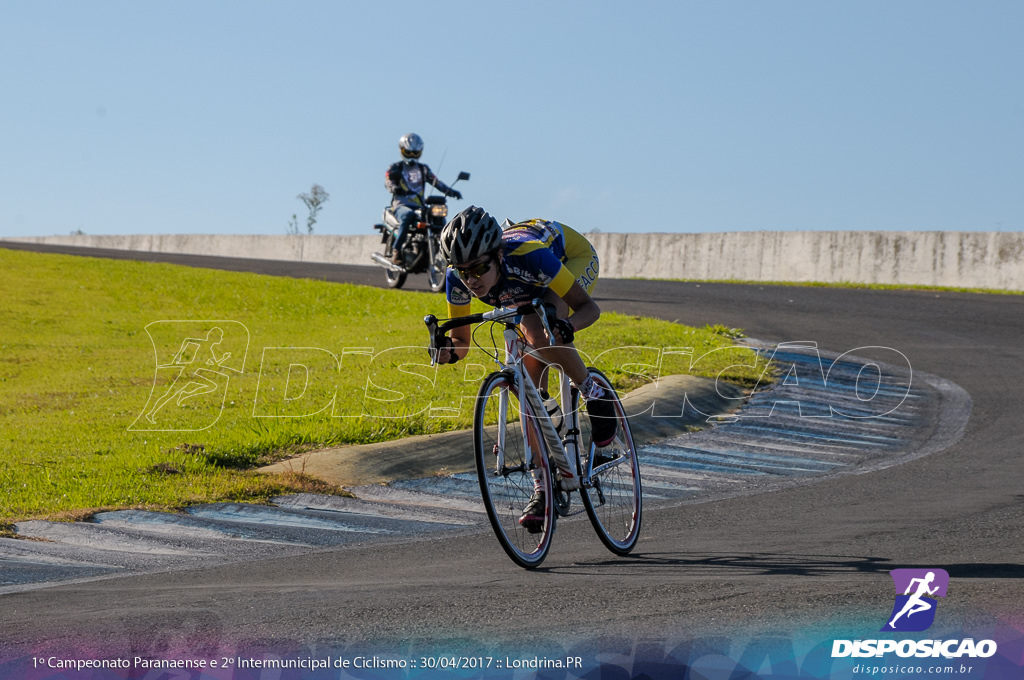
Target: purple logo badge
(916, 590)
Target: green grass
(88, 346)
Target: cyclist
(529, 260)
(406, 180)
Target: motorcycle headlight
(439, 211)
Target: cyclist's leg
(601, 411)
(583, 262)
(534, 513)
(564, 356)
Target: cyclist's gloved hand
(452, 193)
(563, 328)
(445, 351)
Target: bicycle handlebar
(507, 315)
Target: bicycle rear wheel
(506, 476)
(613, 499)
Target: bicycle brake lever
(431, 322)
(542, 312)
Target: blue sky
(212, 116)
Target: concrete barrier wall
(933, 258)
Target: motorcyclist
(529, 260)
(406, 180)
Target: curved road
(806, 562)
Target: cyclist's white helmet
(411, 145)
(469, 235)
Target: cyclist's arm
(584, 310)
(461, 337)
(459, 302)
(579, 307)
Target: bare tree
(314, 201)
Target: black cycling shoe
(533, 515)
(609, 452)
(603, 423)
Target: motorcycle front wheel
(395, 279)
(437, 271)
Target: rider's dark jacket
(406, 180)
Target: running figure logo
(915, 608)
(194, 359)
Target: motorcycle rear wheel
(395, 279)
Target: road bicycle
(516, 442)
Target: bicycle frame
(567, 448)
(563, 453)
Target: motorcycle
(421, 252)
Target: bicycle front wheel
(508, 459)
(613, 497)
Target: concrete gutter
(661, 410)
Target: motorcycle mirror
(463, 175)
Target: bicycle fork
(499, 452)
(529, 464)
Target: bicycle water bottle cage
(554, 410)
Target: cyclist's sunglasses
(475, 271)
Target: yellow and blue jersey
(537, 255)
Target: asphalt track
(808, 560)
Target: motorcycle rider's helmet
(411, 145)
(469, 235)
